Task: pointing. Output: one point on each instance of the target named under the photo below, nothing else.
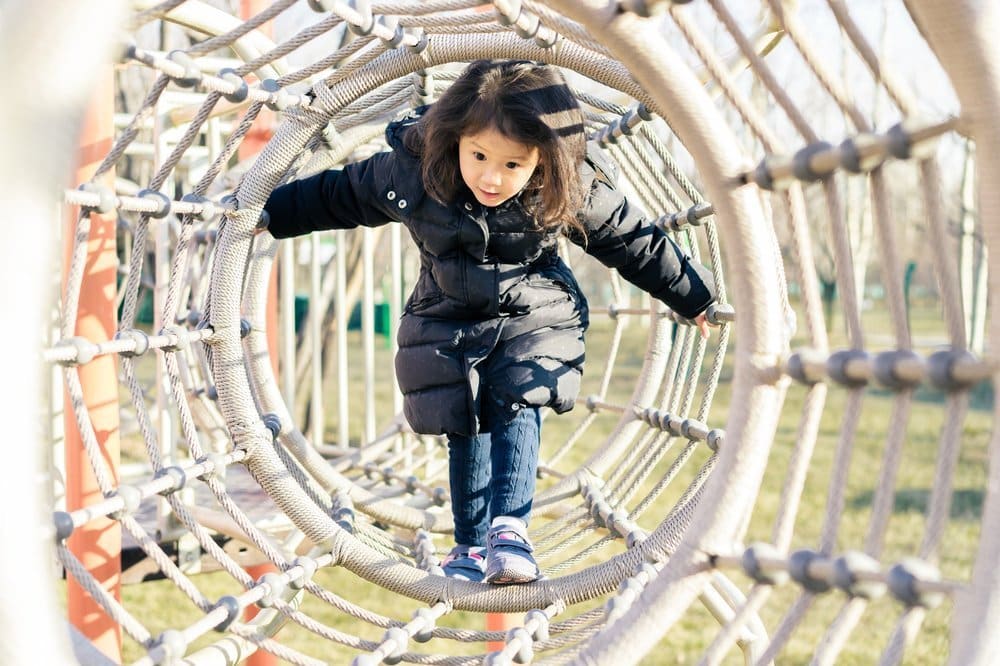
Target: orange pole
(263, 125)
(97, 544)
(499, 622)
(254, 141)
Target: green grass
(160, 605)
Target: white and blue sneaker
(465, 563)
(508, 553)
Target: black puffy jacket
(495, 313)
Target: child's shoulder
(396, 130)
(598, 165)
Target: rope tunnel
(814, 481)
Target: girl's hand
(262, 223)
(702, 323)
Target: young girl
(487, 179)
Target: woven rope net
(810, 483)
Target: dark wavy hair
(525, 101)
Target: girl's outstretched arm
(335, 199)
(620, 236)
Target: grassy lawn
(160, 605)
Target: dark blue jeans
(493, 473)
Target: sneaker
(508, 554)
(465, 563)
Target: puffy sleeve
(336, 199)
(620, 237)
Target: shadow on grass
(966, 504)
(981, 396)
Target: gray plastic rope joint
(541, 622)
(178, 478)
(899, 369)
(84, 350)
(900, 145)
(719, 313)
(751, 562)
(309, 567)
(400, 640)
(802, 162)
(425, 632)
(279, 98)
(241, 89)
(217, 464)
(849, 367)
(391, 23)
(125, 50)
(192, 74)
(862, 153)
(904, 583)
(367, 23)
(161, 200)
(106, 199)
(177, 336)
(798, 568)
(845, 575)
(526, 650)
(173, 644)
(139, 339)
(206, 211)
(232, 607)
(272, 422)
(275, 586)
(63, 523)
(508, 11)
(715, 439)
(941, 369)
(806, 367)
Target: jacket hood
(396, 129)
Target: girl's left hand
(702, 323)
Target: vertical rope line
(843, 264)
(944, 264)
(804, 262)
(651, 184)
(838, 632)
(885, 490)
(144, 113)
(92, 448)
(906, 630)
(841, 466)
(784, 631)
(764, 73)
(723, 79)
(891, 269)
(798, 466)
(129, 624)
(802, 44)
(944, 472)
(879, 68)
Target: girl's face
(494, 167)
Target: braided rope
(224, 395)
